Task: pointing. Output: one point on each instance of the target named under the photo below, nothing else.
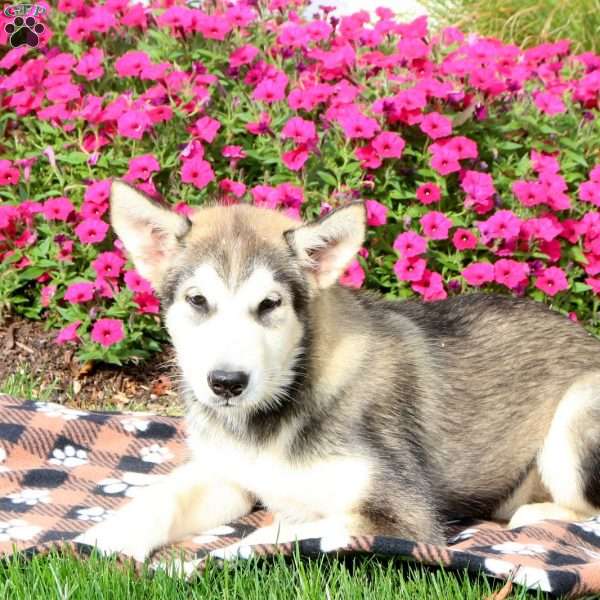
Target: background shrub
(477, 160)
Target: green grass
(524, 22)
(64, 577)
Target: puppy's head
(236, 285)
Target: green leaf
(328, 178)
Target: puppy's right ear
(151, 234)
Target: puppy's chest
(302, 490)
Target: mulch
(63, 470)
(27, 347)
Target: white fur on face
(231, 337)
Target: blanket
(64, 470)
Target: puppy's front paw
(115, 536)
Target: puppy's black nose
(227, 384)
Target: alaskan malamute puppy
(340, 411)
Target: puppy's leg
(181, 504)
(569, 462)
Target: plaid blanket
(64, 470)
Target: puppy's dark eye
(268, 304)
(197, 301)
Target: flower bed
(477, 160)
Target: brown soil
(25, 347)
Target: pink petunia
(243, 55)
(589, 191)
(353, 276)
(270, 91)
(108, 265)
(510, 273)
(436, 125)
(463, 239)
(136, 283)
(430, 286)
(296, 158)
(549, 103)
(410, 244)
(237, 188)
(428, 193)
(58, 209)
(9, 175)
(357, 126)
(594, 283)
(90, 64)
(108, 331)
(552, 281)
(68, 333)
(147, 303)
(388, 145)
(206, 128)
(197, 171)
(529, 193)
(445, 161)
(133, 124)
(410, 268)
(299, 130)
(131, 63)
(376, 213)
(141, 167)
(435, 225)
(478, 274)
(91, 231)
(503, 225)
(79, 292)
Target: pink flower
(68, 333)
(132, 63)
(510, 273)
(529, 193)
(428, 193)
(503, 225)
(430, 286)
(549, 103)
(388, 145)
(90, 64)
(409, 244)
(237, 188)
(589, 191)
(445, 161)
(262, 126)
(552, 281)
(108, 331)
(206, 129)
(435, 225)
(478, 273)
(353, 276)
(299, 130)
(233, 152)
(58, 209)
(410, 268)
(133, 124)
(243, 55)
(91, 231)
(98, 191)
(594, 283)
(479, 186)
(463, 147)
(141, 167)
(9, 175)
(357, 126)
(436, 125)
(108, 264)
(463, 239)
(147, 303)
(136, 283)
(270, 91)
(295, 159)
(197, 171)
(79, 292)
(376, 213)
(47, 294)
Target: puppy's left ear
(326, 246)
